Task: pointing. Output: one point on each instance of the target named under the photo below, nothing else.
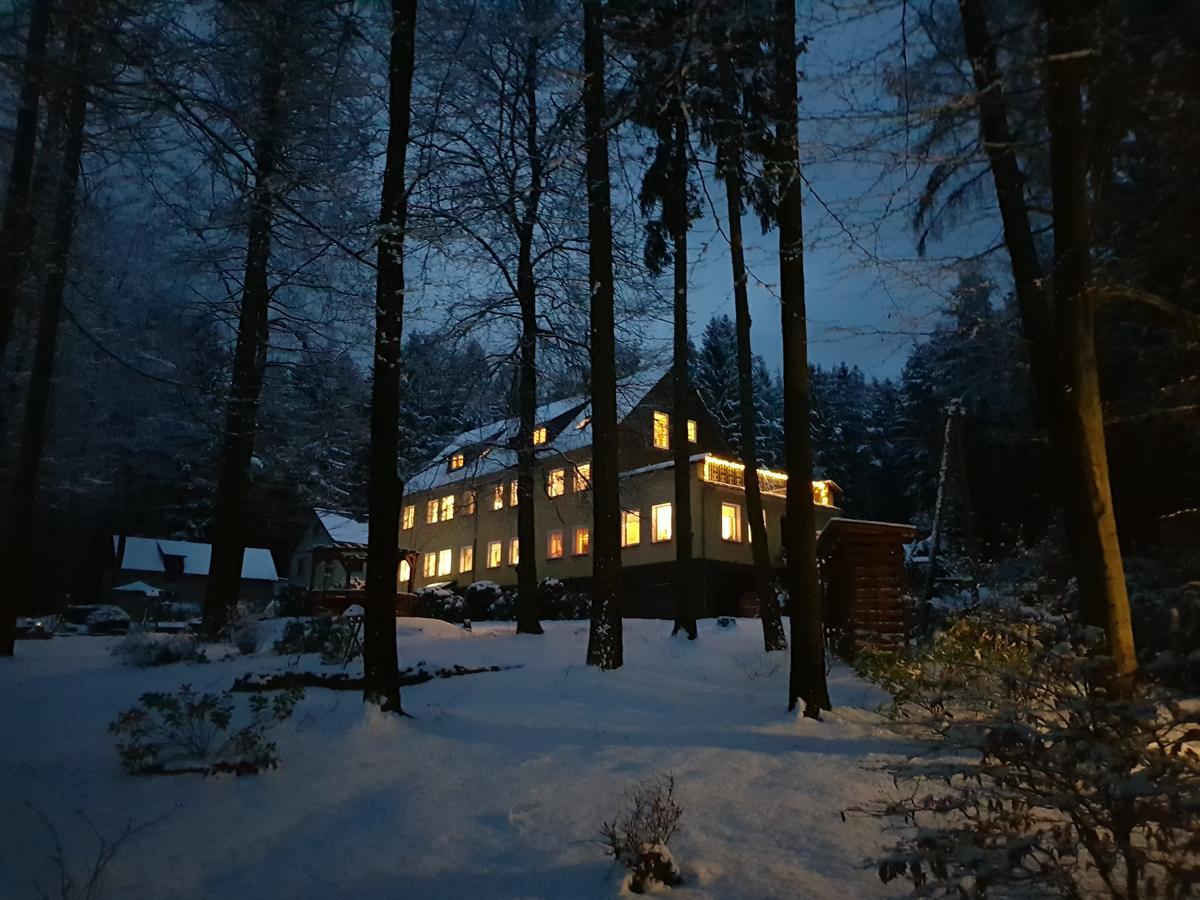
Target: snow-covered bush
(108, 620)
(190, 732)
(440, 603)
(242, 630)
(486, 600)
(557, 601)
(145, 648)
(333, 639)
(637, 837)
(1166, 623)
(1043, 773)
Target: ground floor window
(631, 528)
(405, 571)
(495, 554)
(429, 567)
(514, 552)
(554, 545)
(660, 522)
(583, 541)
(466, 559)
(445, 561)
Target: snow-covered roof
(341, 528)
(493, 442)
(138, 587)
(143, 554)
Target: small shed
(862, 571)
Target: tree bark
(249, 358)
(19, 515)
(15, 232)
(685, 610)
(773, 634)
(1103, 595)
(527, 582)
(381, 674)
(807, 678)
(605, 645)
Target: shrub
(190, 732)
(487, 600)
(334, 640)
(242, 630)
(144, 649)
(637, 838)
(557, 602)
(440, 603)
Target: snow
(342, 529)
(497, 788)
(144, 554)
(137, 587)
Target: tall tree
(381, 675)
(806, 682)
(605, 644)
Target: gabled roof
(341, 528)
(489, 449)
(143, 554)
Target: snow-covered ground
(497, 787)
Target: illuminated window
(432, 508)
(583, 540)
(445, 561)
(662, 431)
(514, 552)
(495, 554)
(823, 493)
(750, 531)
(583, 423)
(430, 565)
(556, 482)
(631, 528)
(447, 507)
(408, 517)
(691, 427)
(583, 477)
(731, 522)
(468, 504)
(539, 435)
(513, 496)
(554, 545)
(498, 496)
(405, 572)
(466, 559)
(457, 461)
(660, 523)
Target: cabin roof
(341, 528)
(147, 554)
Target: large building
(460, 514)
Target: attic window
(583, 423)
(662, 431)
(691, 428)
(539, 435)
(457, 461)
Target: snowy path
(496, 789)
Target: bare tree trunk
(939, 504)
(807, 678)
(15, 231)
(685, 611)
(381, 671)
(18, 517)
(1103, 596)
(527, 582)
(604, 639)
(773, 634)
(249, 358)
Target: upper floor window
(539, 435)
(498, 496)
(447, 507)
(731, 522)
(457, 461)
(583, 477)
(554, 544)
(408, 517)
(468, 504)
(631, 528)
(514, 495)
(556, 482)
(660, 523)
(432, 511)
(691, 429)
(662, 431)
(495, 554)
(582, 542)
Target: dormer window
(457, 461)
(583, 423)
(539, 435)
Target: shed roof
(342, 529)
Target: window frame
(433, 507)
(556, 482)
(408, 517)
(736, 536)
(446, 556)
(661, 437)
(470, 498)
(579, 548)
(631, 517)
(693, 431)
(514, 551)
(540, 435)
(550, 544)
(655, 537)
(495, 554)
(498, 496)
(447, 507)
(456, 461)
(514, 492)
(429, 565)
(581, 477)
(466, 559)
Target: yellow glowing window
(583, 477)
(513, 496)
(466, 559)
(582, 542)
(457, 461)
(823, 493)
(662, 431)
(539, 435)
(731, 522)
(554, 545)
(430, 565)
(408, 517)
(447, 507)
(691, 427)
(583, 423)
(432, 508)
(405, 572)
(660, 523)
(556, 482)
(514, 552)
(631, 528)
(445, 561)
(495, 554)
(498, 496)
(468, 504)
